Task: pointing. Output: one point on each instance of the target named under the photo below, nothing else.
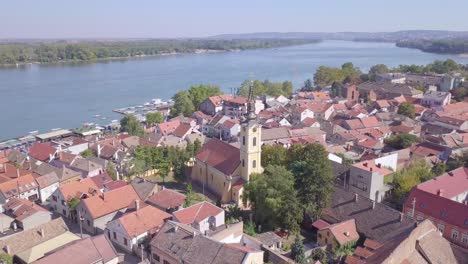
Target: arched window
(254, 164)
(255, 141)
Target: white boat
(97, 116)
(55, 129)
(34, 132)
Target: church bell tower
(250, 140)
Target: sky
(201, 18)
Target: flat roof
(53, 134)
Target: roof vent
(346, 233)
(440, 192)
(176, 228)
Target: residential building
(369, 178)
(179, 243)
(96, 249)
(214, 104)
(339, 234)
(23, 187)
(167, 200)
(27, 214)
(435, 99)
(203, 216)
(80, 190)
(33, 244)
(444, 201)
(100, 209)
(144, 188)
(48, 184)
(449, 82)
(132, 229)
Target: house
(435, 99)
(27, 214)
(48, 184)
(214, 104)
(422, 245)
(73, 145)
(100, 180)
(167, 128)
(203, 216)
(444, 201)
(144, 188)
(23, 187)
(132, 229)
(391, 77)
(167, 200)
(377, 91)
(83, 189)
(179, 243)
(33, 244)
(339, 234)
(98, 250)
(100, 209)
(86, 167)
(229, 128)
(183, 130)
(42, 151)
(65, 174)
(300, 113)
(369, 178)
(451, 81)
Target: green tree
(378, 69)
(5, 258)
(325, 76)
(287, 88)
(297, 251)
(313, 177)
(319, 255)
(131, 125)
(87, 153)
(308, 86)
(405, 180)
(344, 250)
(154, 118)
(351, 74)
(111, 170)
(401, 141)
(336, 89)
(272, 196)
(197, 145)
(407, 109)
(274, 155)
(249, 228)
(183, 104)
(439, 169)
(189, 196)
(200, 93)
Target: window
(255, 141)
(88, 222)
(108, 234)
(54, 198)
(156, 257)
(64, 212)
(320, 236)
(125, 241)
(254, 164)
(166, 262)
(441, 227)
(224, 184)
(243, 163)
(115, 236)
(243, 140)
(454, 235)
(464, 239)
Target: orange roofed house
(100, 209)
(202, 216)
(334, 236)
(132, 229)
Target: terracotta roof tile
(110, 201)
(197, 213)
(220, 155)
(41, 151)
(147, 219)
(77, 189)
(167, 199)
(344, 232)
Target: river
(42, 97)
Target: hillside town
(373, 171)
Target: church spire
(251, 105)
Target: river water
(42, 97)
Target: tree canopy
(401, 141)
(131, 125)
(266, 88)
(186, 102)
(407, 109)
(273, 199)
(154, 118)
(405, 180)
(297, 251)
(348, 73)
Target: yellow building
(223, 168)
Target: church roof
(220, 155)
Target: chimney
(99, 150)
(364, 164)
(42, 232)
(17, 173)
(346, 233)
(370, 169)
(51, 157)
(401, 217)
(7, 249)
(176, 227)
(194, 234)
(450, 173)
(440, 192)
(137, 205)
(379, 165)
(356, 197)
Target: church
(223, 168)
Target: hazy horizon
(119, 19)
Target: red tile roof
(382, 103)
(320, 224)
(22, 208)
(344, 232)
(239, 184)
(197, 213)
(19, 185)
(369, 165)
(354, 124)
(168, 127)
(41, 151)
(218, 99)
(362, 252)
(76, 189)
(220, 155)
(100, 179)
(372, 244)
(167, 199)
(449, 184)
(147, 219)
(370, 121)
(182, 130)
(112, 185)
(111, 201)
